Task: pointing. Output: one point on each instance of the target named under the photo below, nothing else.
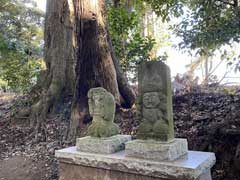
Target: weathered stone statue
(155, 136)
(155, 102)
(154, 155)
(102, 109)
(103, 134)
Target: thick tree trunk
(59, 56)
(79, 56)
(95, 67)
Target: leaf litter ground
(210, 122)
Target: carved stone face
(102, 109)
(155, 101)
(151, 100)
(98, 104)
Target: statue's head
(151, 99)
(101, 103)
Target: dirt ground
(21, 157)
(21, 168)
(210, 122)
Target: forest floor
(209, 120)
(21, 156)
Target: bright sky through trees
(41, 4)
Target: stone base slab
(102, 145)
(77, 165)
(155, 150)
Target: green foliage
(167, 8)
(203, 24)
(20, 43)
(209, 24)
(20, 76)
(130, 46)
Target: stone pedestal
(77, 165)
(102, 145)
(157, 150)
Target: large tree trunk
(59, 56)
(79, 56)
(95, 67)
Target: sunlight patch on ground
(7, 96)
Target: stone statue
(155, 102)
(102, 109)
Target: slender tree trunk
(236, 3)
(79, 56)
(116, 3)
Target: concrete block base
(156, 150)
(77, 165)
(102, 145)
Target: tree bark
(116, 3)
(79, 56)
(59, 57)
(95, 67)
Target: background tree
(130, 46)
(79, 52)
(209, 24)
(20, 44)
(137, 34)
(79, 56)
(205, 27)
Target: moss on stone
(102, 108)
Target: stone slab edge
(153, 150)
(118, 162)
(102, 145)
